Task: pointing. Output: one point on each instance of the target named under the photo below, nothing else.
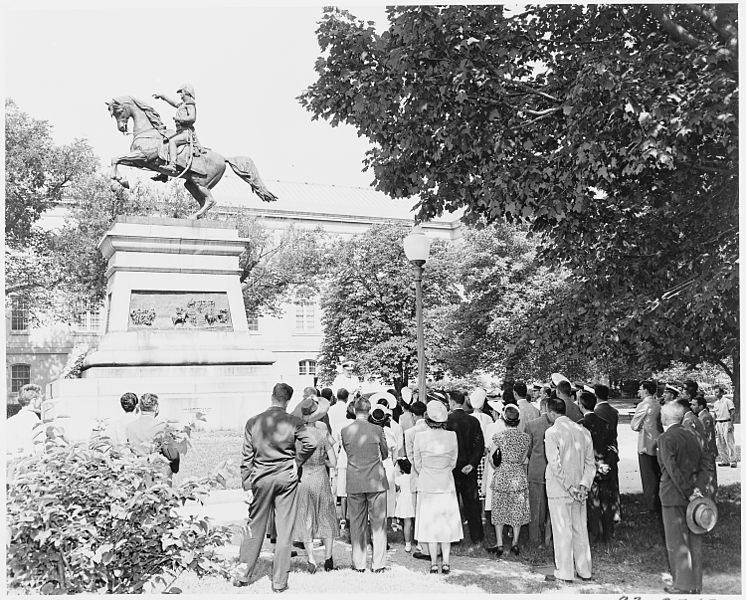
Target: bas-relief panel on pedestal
(150, 310)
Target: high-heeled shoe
(311, 567)
(515, 549)
(329, 564)
(434, 569)
(496, 550)
(445, 569)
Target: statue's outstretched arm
(171, 101)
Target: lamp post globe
(417, 246)
(417, 250)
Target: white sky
(248, 63)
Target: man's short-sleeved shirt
(722, 408)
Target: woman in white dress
(489, 432)
(438, 520)
(476, 400)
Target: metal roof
(320, 199)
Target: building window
(19, 309)
(307, 367)
(88, 320)
(20, 375)
(305, 316)
(94, 319)
(253, 323)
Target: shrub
(86, 518)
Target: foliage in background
(678, 372)
(611, 130)
(501, 284)
(92, 519)
(369, 305)
(37, 172)
(279, 267)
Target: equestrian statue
(176, 153)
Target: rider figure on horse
(186, 115)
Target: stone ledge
(154, 220)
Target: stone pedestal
(175, 326)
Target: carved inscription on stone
(179, 310)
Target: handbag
(497, 457)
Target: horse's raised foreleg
(133, 159)
(202, 195)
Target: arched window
(20, 375)
(307, 367)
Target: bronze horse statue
(200, 174)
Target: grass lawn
(209, 449)
(634, 562)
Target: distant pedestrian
(646, 421)
(725, 416)
(275, 446)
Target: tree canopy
(368, 304)
(611, 131)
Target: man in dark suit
(611, 415)
(679, 457)
(275, 445)
(564, 392)
(470, 451)
(600, 502)
(365, 445)
(538, 531)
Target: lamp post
(417, 249)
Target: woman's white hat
(436, 411)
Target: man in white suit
(570, 471)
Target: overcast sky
(248, 63)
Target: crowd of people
(545, 459)
(137, 430)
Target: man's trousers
(468, 488)
(684, 550)
(537, 502)
(276, 493)
(650, 474)
(726, 442)
(570, 536)
(362, 506)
